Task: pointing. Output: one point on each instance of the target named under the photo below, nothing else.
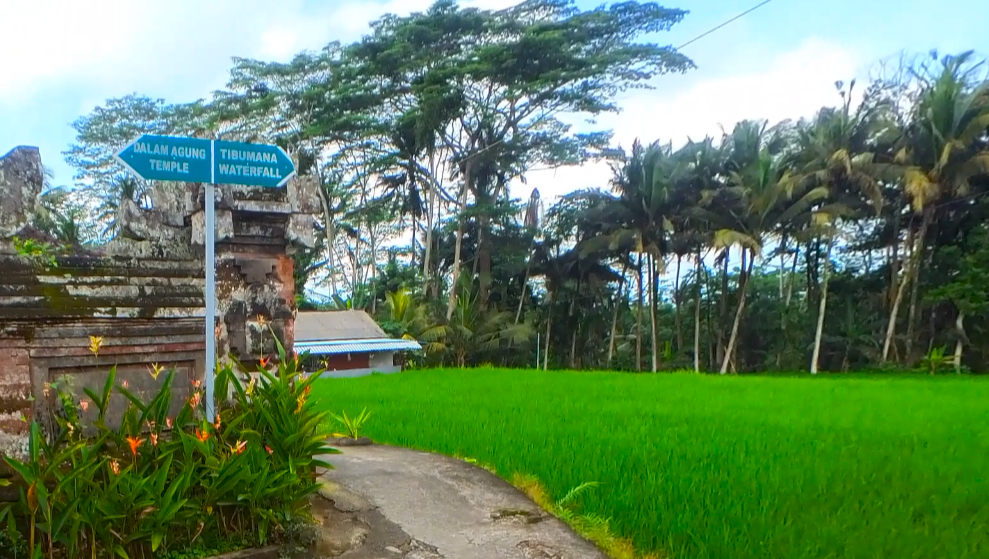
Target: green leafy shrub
(167, 486)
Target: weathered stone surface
(451, 509)
(143, 292)
(22, 178)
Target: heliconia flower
(168, 422)
(125, 384)
(301, 401)
(95, 342)
(241, 445)
(134, 442)
(194, 401)
(251, 385)
(154, 439)
(84, 405)
(264, 362)
(115, 467)
(196, 383)
(262, 321)
(268, 448)
(155, 369)
(216, 424)
(203, 436)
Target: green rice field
(718, 467)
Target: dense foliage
(166, 486)
(850, 239)
(704, 466)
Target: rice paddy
(718, 467)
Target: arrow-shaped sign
(168, 158)
(251, 164)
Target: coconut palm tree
(941, 154)
(760, 198)
(834, 150)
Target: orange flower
(154, 439)
(203, 436)
(134, 443)
(125, 384)
(301, 401)
(241, 445)
(194, 401)
(168, 422)
(115, 467)
(196, 383)
(264, 362)
(84, 405)
(217, 423)
(268, 448)
(262, 321)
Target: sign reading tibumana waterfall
(253, 164)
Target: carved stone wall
(143, 292)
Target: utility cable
(712, 30)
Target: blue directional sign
(168, 158)
(251, 164)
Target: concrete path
(426, 506)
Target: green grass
(718, 467)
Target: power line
(709, 31)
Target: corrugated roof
(356, 346)
(336, 325)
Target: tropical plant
(158, 482)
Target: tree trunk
(428, 252)
(959, 345)
(697, 316)
(676, 303)
(733, 339)
(614, 320)
(723, 312)
(915, 285)
(638, 331)
(654, 289)
(822, 311)
(894, 262)
(330, 237)
(900, 290)
(525, 278)
(452, 303)
(549, 329)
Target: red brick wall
(346, 361)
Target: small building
(348, 344)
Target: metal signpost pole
(209, 204)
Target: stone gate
(142, 293)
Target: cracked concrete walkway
(419, 505)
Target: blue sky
(777, 62)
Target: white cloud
(144, 46)
(791, 85)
